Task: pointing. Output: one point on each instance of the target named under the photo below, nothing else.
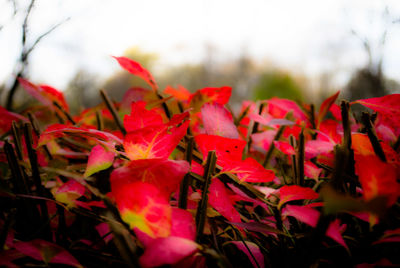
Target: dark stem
(113, 111)
(184, 187)
(36, 174)
(300, 159)
(366, 120)
(69, 117)
(201, 214)
(99, 121)
(292, 142)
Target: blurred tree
(277, 84)
(28, 45)
(370, 81)
(82, 91)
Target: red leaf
(154, 141)
(219, 199)
(325, 106)
(142, 205)
(45, 251)
(6, 119)
(164, 251)
(284, 147)
(45, 94)
(179, 93)
(140, 117)
(387, 106)
(99, 159)
(224, 147)
(255, 252)
(136, 94)
(163, 173)
(217, 120)
(377, 178)
(248, 170)
(136, 69)
(295, 192)
(219, 95)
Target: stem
(165, 106)
(99, 120)
(300, 159)
(17, 140)
(366, 119)
(202, 207)
(69, 117)
(184, 188)
(36, 174)
(272, 146)
(113, 111)
(292, 141)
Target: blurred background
(301, 50)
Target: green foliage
(277, 84)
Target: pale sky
(308, 36)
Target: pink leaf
(170, 250)
(284, 147)
(280, 107)
(45, 251)
(183, 224)
(99, 159)
(136, 69)
(255, 251)
(219, 199)
(314, 148)
(295, 192)
(217, 120)
(311, 170)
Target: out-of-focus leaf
(310, 217)
(255, 251)
(180, 93)
(219, 95)
(217, 120)
(45, 251)
(136, 69)
(6, 119)
(45, 94)
(164, 251)
(99, 159)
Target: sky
(309, 36)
